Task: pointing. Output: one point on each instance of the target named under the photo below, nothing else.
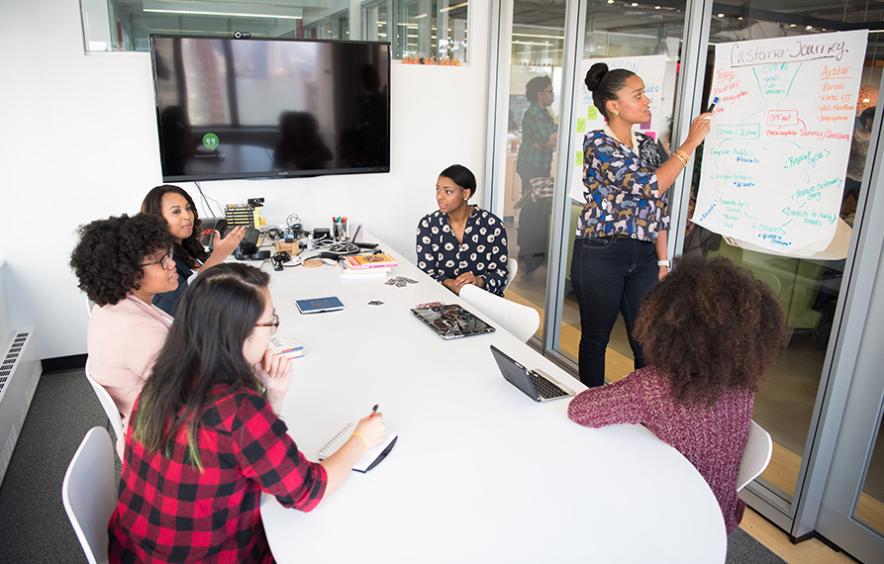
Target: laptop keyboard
(545, 388)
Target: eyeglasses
(274, 323)
(166, 261)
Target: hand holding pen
(371, 429)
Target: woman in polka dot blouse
(459, 243)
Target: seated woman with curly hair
(121, 264)
(709, 331)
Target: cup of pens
(339, 228)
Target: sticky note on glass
(578, 158)
(592, 112)
(581, 125)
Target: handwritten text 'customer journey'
(774, 161)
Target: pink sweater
(711, 438)
(122, 343)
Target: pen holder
(339, 231)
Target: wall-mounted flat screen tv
(270, 108)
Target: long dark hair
(604, 84)
(710, 325)
(190, 249)
(204, 348)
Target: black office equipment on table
(535, 384)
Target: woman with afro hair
(121, 263)
(709, 332)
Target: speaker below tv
(270, 108)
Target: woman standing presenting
(615, 262)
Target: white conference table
(480, 473)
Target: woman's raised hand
(224, 246)
(275, 373)
(700, 127)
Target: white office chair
(89, 305)
(522, 321)
(110, 408)
(756, 455)
(512, 267)
(89, 494)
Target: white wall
(79, 143)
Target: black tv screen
(258, 108)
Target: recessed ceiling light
(634, 4)
(791, 25)
(610, 1)
(656, 7)
(720, 15)
(809, 27)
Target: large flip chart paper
(652, 70)
(775, 159)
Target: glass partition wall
(808, 288)
(671, 45)
(418, 30)
(533, 100)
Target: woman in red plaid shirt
(205, 439)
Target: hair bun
(594, 75)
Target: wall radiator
(20, 371)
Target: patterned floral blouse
(620, 187)
(483, 251)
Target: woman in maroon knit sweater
(708, 331)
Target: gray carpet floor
(34, 525)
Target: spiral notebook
(370, 459)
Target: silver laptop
(535, 384)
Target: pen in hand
(374, 410)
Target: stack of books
(367, 266)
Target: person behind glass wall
(539, 135)
(614, 264)
(459, 243)
(175, 206)
(856, 164)
(121, 263)
(709, 331)
(206, 438)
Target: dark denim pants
(609, 275)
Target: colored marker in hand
(713, 104)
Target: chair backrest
(110, 408)
(522, 321)
(89, 305)
(512, 267)
(756, 455)
(88, 493)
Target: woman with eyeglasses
(206, 438)
(121, 264)
(176, 208)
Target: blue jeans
(609, 275)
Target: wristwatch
(664, 262)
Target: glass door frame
(798, 517)
(844, 355)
